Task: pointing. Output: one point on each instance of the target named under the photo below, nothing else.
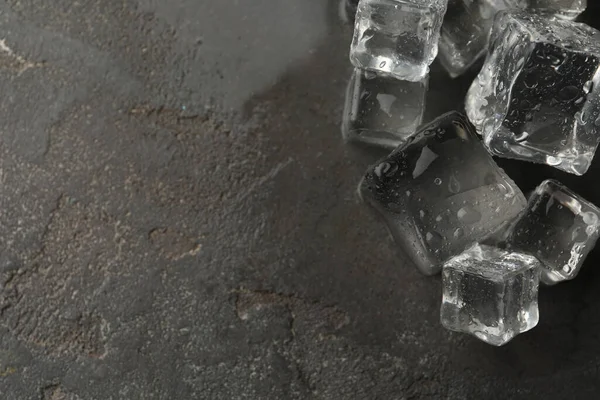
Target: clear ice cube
(568, 9)
(382, 110)
(490, 293)
(440, 192)
(397, 37)
(559, 228)
(465, 32)
(537, 97)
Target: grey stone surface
(178, 220)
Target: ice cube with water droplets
(466, 29)
(568, 9)
(537, 97)
(397, 37)
(382, 110)
(558, 227)
(490, 293)
(440, 192)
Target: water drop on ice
(522, 137)
(434, 238)
(386, 169)
(453, 185)
(551, 160)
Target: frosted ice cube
(490, 293)
(465, 32)
(568, 9)
(440, 192)
(537, 97)
(397, 37)
(558, 227)
(382, 110)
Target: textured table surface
(179, 220)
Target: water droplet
(458, 233)
(422, 214)
(386, 169)
(522, 137)
(551, 160)
(437, 181)
(468, 215)
(554, 60)
(439, 218)
(590, 218)
(453, 185)
(408, 193)
(588, 87)
(530, 81)
(434, 238)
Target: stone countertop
(179, 220)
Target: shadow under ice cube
(559, 228)
(490, 293)
(537, 97)
(441, 192)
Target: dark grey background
(179, 220)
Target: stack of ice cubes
(446, 202)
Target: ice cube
(382, 110)
(558, 227)
(397, 37)
(537, 96)
(440, 192)
(568, 9)
(465, 32)
(490, 293)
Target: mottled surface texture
(179, 220)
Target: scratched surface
(178, 220)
